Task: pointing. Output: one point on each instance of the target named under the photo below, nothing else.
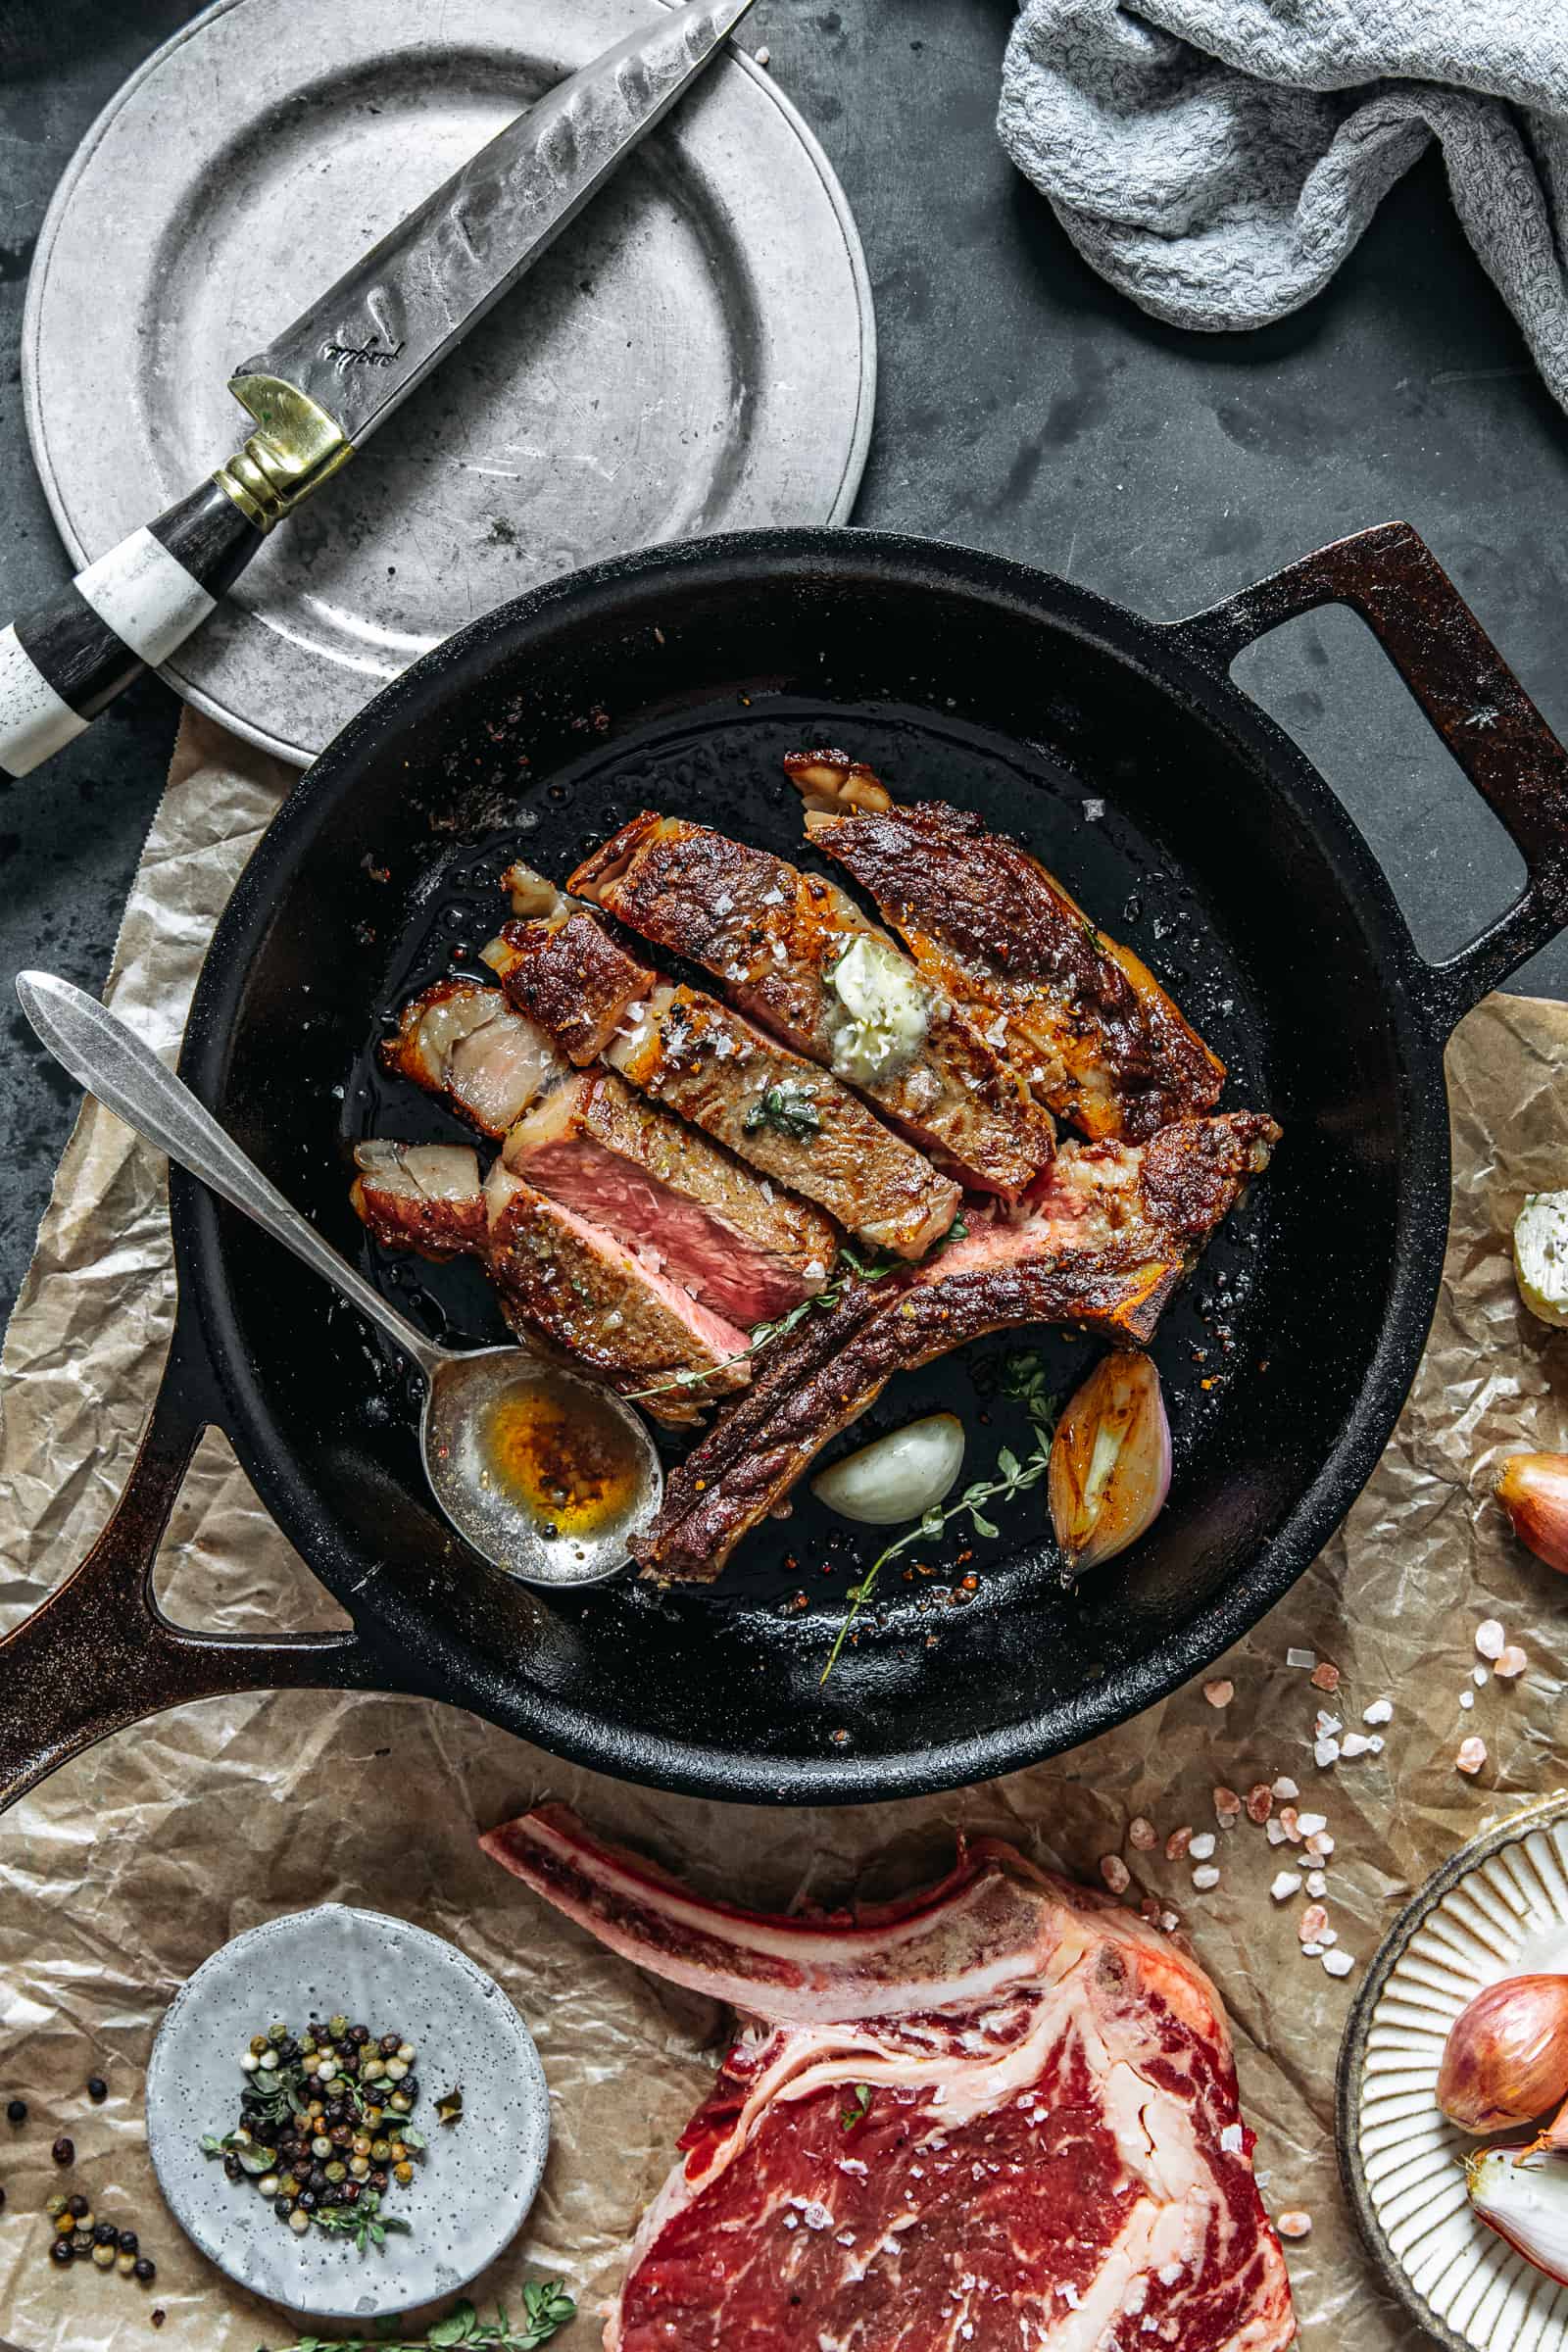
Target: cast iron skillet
(1185, 820)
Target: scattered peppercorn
(104, 2233)
(97, 2090)
(129, 2243)
(146, 2270)
(159, 2315)
(64, 2150)
(78, 2205)
(61, 2251)
(16, 2111)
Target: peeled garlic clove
(1523, 2194)
(899, 1477)
(1109, 1462)
(1532, 1489)
(1506, 2060)
(1540, 1256)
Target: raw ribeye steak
(999, 2116)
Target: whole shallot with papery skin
(1109, 1462)
(1506, 2060)
(1523, 2194)
(1532, 1489)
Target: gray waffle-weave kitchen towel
(1217, 159)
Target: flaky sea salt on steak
(999, 2116)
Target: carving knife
(319, 392)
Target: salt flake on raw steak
(999, 2116)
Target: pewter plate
(1499, 1908)
(471, 2193)
(696, 354)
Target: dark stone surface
(1023, 406)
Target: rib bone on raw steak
(999, 2116)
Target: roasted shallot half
(1523, 2194)
(1532, 1489)
(1506, 2060)
(1109, 1462)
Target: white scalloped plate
(1499, 1908)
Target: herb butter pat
(1540, 1256)
(887, 1012)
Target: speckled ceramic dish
(1498, 1909)
(480, 2176)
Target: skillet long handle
(1466, 690)
(99, 1654)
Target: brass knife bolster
(296, 446)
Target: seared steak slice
(1111, 1234)
(789, 1119)
(778, 1113)
(464, 1042)
(777, 938)
(424, 1196)
(994, 2115)
(746, 1249)
(585, 1291)
(559, 1278)
(1080, 1019)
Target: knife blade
(325, 384)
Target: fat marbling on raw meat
(999, 2116)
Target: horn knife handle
(126, 612)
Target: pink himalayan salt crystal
(1115, 1873)
(1227, 1807)
(1471, 1756)
(1491, 1640)
(1177, 1843)
(1311, 1924)
(1259, 1802)
(1220, 1693)
(1294, 2223)
(1324, 1676)
(1510, 1662)
(1141, 1834)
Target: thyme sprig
(546, 2310)
(764, 1333)
(1023, 1378)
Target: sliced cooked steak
(996, 2116)
(1080, 1019)
(1111, 1234)
(781, 1114)
(795, 952)
(585, 1291)
(559, 1276)
(424, 1196)
(789, 1119)
(744, 1247)
(464, 1041)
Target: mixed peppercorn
(324, 2131)
(79, 2235)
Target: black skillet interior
(1181, 820)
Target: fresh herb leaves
(546, 2310)
(849, 2117)
(1022, 1378)
(364, 2222)
(789, 1108)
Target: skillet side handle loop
(1473, 701)
(99, 1654)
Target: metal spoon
(457, 1440)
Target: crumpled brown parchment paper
(125, 1869)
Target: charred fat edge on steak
(1113, 1234)
(559, 1276)
(781, 1114)
(1002, 2108)
(1079, 1017)
(795, 953)
(463, 1040)
(747, 1249)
